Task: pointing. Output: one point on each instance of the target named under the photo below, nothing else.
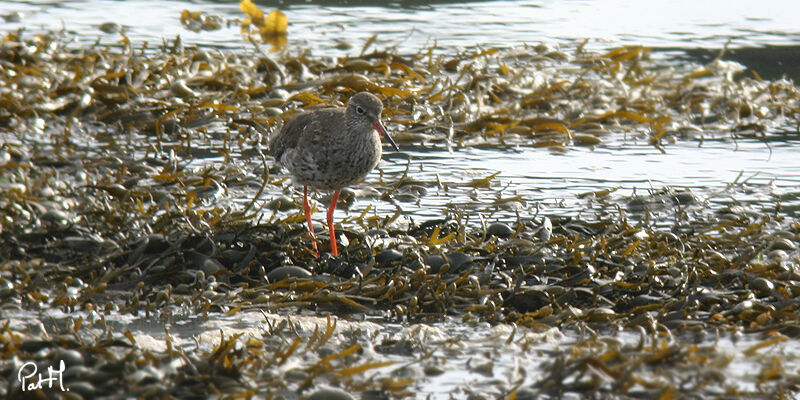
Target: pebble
(80, 243)
(458, 260)
(778, 255)
(295, 375)
(582, 139)
(331, 394)
(117, 191)
(55, 216)
(206, 246)
(281, 203)
(231, 257)
(272, 111)
(110, 27)
(211, 266)
(70, 357)
(388, 256)
(527, 394)
(286, 272)
(435, 262)
(783, 244)
(684, 198)
(500, 230)
(762, 285)
(646, 299)
(600, 314)
(15, 16)
(433, 370)
(156, 244)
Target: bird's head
(364, 110)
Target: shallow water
(410, 25)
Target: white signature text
(30, 380)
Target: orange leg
(307, 209)
(332, 232)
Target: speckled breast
(339, 166)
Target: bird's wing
(304, 128)
(289, 135)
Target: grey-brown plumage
(331, 148)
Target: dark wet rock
(778, 255)
(110, 27)
(117, 190)
(669, 238)
(388, 256)
(75, 373)
(528, 394)
(57, 217)
(325, 351)
(458, 261)
(645, 300)
(156, 269)
(86, 244)
(330, 394)
(514, 261)
(296, 375)
(660, 201)
(204, 245)
(433, 370)
(500, 230)
(34, 345)
(576, 278)
(286, 272)
(15, 16)
(763, 286)
(156, 243)
(375, 394)
(337, 266)
(402, 347)
(70, 357)
(742, 306)
(236, 259)
(183, 288)
(684, 198)
(281, 203)
(554, 290)
(783, 244)
(208, 265)
(146, 375)
(600, 314)
(583, 139)
(435, 262)
(530, 299)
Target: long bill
(379, 127)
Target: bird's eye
(359, 110)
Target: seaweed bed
(108, 220)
